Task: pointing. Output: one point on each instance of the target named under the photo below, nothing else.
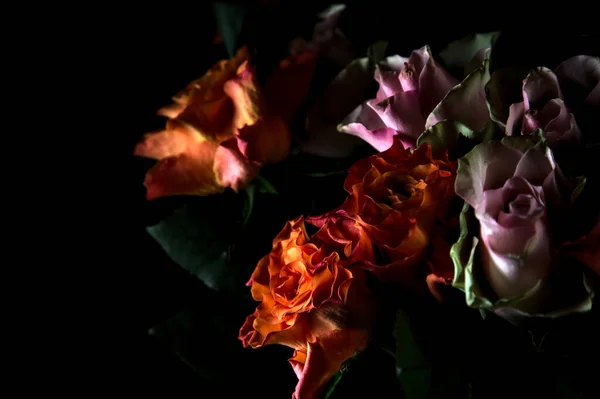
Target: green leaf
(376, 51)
(214, 237)
(414, 368)
(368, 374)
(230, 19)
(458, 55)
(457, 138)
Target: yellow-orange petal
(246, 96)
(189, 173)
(266, 141)
(174, 140)
(288, 85)
(213, 120)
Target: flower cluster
(478, 185)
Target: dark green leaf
(368, 374)
(230, 19)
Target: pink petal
(535, 165)
(401, 113)
(558, 123)
(514, 122)
(487, 166)
(465, 103)
(434, 81)
(540, 85)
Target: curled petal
(401, 113)
(486, 167)
(540, 85)
(514, 123)
(364, 122)
(212, 120)
(434, 81)
(247, 100)
(231, 168)
(466, 102)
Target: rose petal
(324, 358)
(231, 169)
(540, 85)
(189, 173)
(514, 123)
(486, 166)
(466, 102)
(247, 99)
(266, 141)
(167, 143)
(434, 81)
(287, 87)
(401, 113)
(583, 73)
(557, 122)
(536, 164)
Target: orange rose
(221, 130)
(396, 197)
(309, 302)
(340, 232)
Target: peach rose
(222, 129)
(396, 197)
(309, 303)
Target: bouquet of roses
(460, 191)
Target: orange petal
(213, 120)
(324, 358)
(267, 141)
(189, 173)
(243, 91)
(170, 142)
(287, 87)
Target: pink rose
(409, 89)
(512, 187)
(544, 106)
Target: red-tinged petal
(466, 102)
(288, 85)
(587, 249)
(167, 143)
(231, 169)
(324, 358)
(189, 173)
(266, 141)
